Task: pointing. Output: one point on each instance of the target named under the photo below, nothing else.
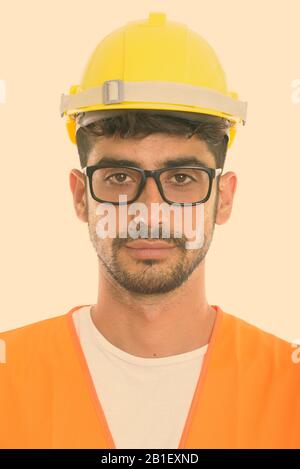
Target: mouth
(149, 249)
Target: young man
(151, 364)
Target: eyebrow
(167, 163)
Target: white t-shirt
(145, 400)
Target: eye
(180, 179)
(119, 178)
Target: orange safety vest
(247, 395)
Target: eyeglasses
(184, 185)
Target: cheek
(202, 220)
(211, 207)
(92, 209)
(208, 213)
(197, 217)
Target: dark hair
(140, 123)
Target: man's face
(141, 273)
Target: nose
(150, 192)
(149, 196)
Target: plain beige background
(48, 264)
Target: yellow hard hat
(153, 64)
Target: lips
(143, 250)
(149, 245)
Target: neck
(154, 325)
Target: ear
(77, 184)
(227, 188)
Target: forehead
(153, 151)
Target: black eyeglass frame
(155, 174)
